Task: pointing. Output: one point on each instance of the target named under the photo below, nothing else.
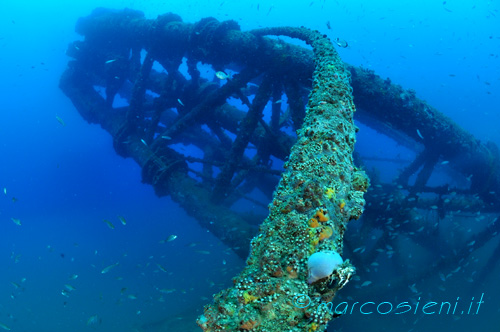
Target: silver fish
(122, 220)
(5, 327)
(341, 42)
(108, 268)
(16, 221)
(109, 223)
(61, 121)
(222, 75)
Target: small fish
(144, 142)
(69, 287)
(366, 283)
(15, 257)
(269, 11)
(161, 268)
(180, 102)
(16, 221)
(445, 162)
(109, 223)
(328, 25)
(73, 276)
(413, 288)
(167, 290)
(132, 297)
(419, 134)
(5, 327)
(170, 238)
(166, 137)
(108, 268)
(222, 75)
(341, 42)
(204, 252)
(61, 121)
(109, 61)
(92, 320)
(65, 293)
(5, 191)
(122, 220)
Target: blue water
(62, 181)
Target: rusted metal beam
(165, 170)
(222, 43)
(319, 192)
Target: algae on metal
(319, 192)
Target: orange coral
(313, 222)
(326, 232)
(321, 215)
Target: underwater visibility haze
(99, 231)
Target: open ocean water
(67, 260)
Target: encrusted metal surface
(319, 192)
